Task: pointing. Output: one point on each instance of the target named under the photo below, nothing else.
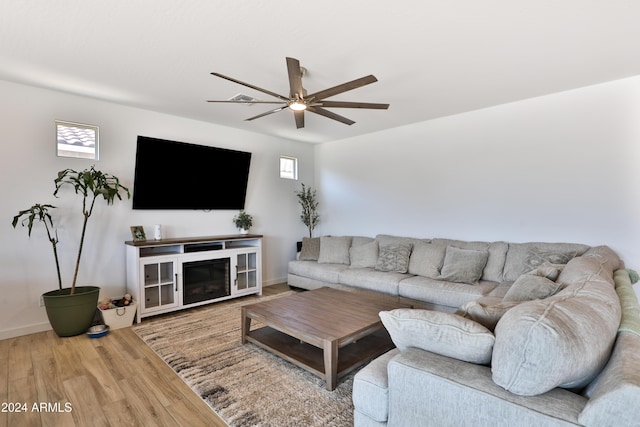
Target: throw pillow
(463, 265)
(438, 332)
(310, 249)
(488, 315)
(548, 270)
(529, 287)
(334, 250)
(426, 259)
(560, 341)
(394, 257)
(364, 256)
(538, 257)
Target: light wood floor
(115, 380)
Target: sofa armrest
(429, 389)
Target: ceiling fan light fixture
(298, 105)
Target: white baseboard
(26, 330)
(32, 329)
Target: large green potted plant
(71, 310)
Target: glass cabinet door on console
(247, 272)
(160, 284)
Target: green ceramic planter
(71, 315)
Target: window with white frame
(76, 140)
(288, 167)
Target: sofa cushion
(361, 240)
(442, 292)
(495, 264)
(560, 341)
(368, 278)
(529, 287)
(334, 250)
(488, 315)
(630, 320)
(329, 273)
(617, 388)
(610, 260)
(394, 257)
(524, 257)
(371, 388)
(594, 263)
(385, 239)
(548, 270)
(463, 265)
(364, 255)
(310, 249)
(443, 333)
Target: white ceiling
(432, 58)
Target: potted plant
(71, 310)
(308, 202)
(243, 222)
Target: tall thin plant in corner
(91, 184)
(307, 198)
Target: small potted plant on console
(243, 222)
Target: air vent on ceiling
(243, 98)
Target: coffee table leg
(245, 326)
(331, 364)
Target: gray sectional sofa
(523, 334)
(442, 274)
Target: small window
(288, 167)
(76, 140)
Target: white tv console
(156, 271)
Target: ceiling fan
(299, 101)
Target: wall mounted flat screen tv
(177, 175)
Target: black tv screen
(177, 175)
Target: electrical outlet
(41, 301)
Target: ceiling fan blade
(345, 104)
(354, 84)
(265, 114)
(268, 92)
(330, 115)
(299, 116)
(228, 101)
(295, 78)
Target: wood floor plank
(144, 403)
(21, 392)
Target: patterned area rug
(245, 385)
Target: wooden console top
(197, 239)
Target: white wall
(564, 167)
(28, 165)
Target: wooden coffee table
(326, 331)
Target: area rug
(244, 384)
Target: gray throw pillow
(538, 257)
(548, 270)
(394, 257)
(310, 249)
(463, 265)
(426, 259)
(561, 341)
(529, 287)
(364, 256)
(444, 333)
(488, 315)
(334, 250)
